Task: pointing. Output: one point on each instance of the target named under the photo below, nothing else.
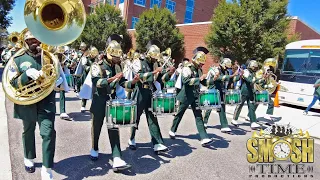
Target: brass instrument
(165, 58)
(13, 38)
(271, 81)
(54, 23)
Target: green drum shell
(209, 98)
(232, 97)
(261, 97)
(170, 84)
(166, 102)
(123, 112)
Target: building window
(155, 2)
(189, 11)
(171, 5)
(134, 21)
(140, 2)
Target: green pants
(153, 124)
(198, 117)
(222, 116)
(251, 108)
(269, 109)
(79, 83)
(62, 102)
(46, 125)
(114, 138)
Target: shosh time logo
(282, 144)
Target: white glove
(270, 86)
(33, 73)
(84, 61)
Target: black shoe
(133, 147)
(121, 168)
(94, 158)
(30, 169)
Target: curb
(5, 165)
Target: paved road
(225, 159)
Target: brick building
(194, 34)
(186, 11)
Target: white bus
(300, 70)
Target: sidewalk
(310, 123)
(5, 163)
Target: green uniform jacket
(101, 71)
(224, 82)
(144, 88)
(29, 112)
(247, 86)
(190, 83)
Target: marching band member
(247, 94)
(6, 54)
(63, 86)
(269, 67)
(178, 84)
(143, 94)
(222, 84)
(82, 70)
(104, 82)
(27, 67)
(131, 67)
(191, 78)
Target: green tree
(105, 21)
(247, 29)
(159, 24)
(6, 7)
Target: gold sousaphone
(14, 38)
(271, 81)
(53, 23)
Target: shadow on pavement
(68, 98)
(144, 160)
(78, 116)
(80, 167)
(235, 130)
(218, 141)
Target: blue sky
(306, 10)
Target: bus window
(296, 61)
(314, 62)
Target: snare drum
(232, 97)
(209, 99)
(121, 113)
(163, 103)
(261, 97)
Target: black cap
(202, 49)
(153, 42)
(114, 37)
